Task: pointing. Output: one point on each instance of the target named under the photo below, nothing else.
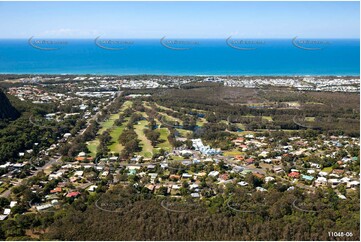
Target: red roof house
(294, 174)
(56, 190)
(73, 194)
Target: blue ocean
(181, 57)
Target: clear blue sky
(179, 19)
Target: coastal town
(180, 121)
(101, 83)
(48, 178)
(164, 176)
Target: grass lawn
(92, 147)
(268, 118)
(115, 146)
(233, 152)
(201, 121)
(258, 104)
(310, 119)
(146, 104)
(241, 126)
(183, 133)
(170, 118)
(327, 169)
(164, 132)
(162, 107)
(126, 104)
(147, 148)
(244, 133)
(108, 123)
(177, 158)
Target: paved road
(47, 165)
(263, 172)
(52, 161)
(95, 116)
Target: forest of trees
(335, 113)
(140, 216)
(20, 134)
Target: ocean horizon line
(190, 75)
(185, 38)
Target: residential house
(294, 174)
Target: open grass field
(244, 133)
(108, 123)
(146, 104)
(268, 118)
(201, 121)
(92, 147)
(170, 118)
(256, 104)
(241, 126)
(176, 158)
(310, 119)
(233, 152)
(184, 133)
(115, 132)
(327, 169)
(164, 132)
(147, 148)
(162, 107)
(116, 147)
